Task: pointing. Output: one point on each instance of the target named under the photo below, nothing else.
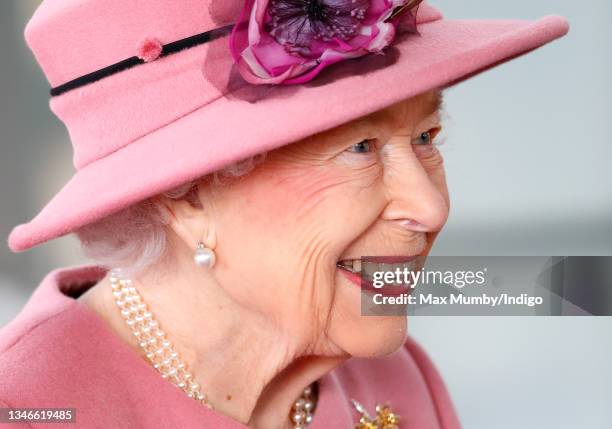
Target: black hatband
(170, 48)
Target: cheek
(320, 193)
(286, 207)
(339, 203)
(300, 215)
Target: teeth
(352, 265)
(355, 266)
(346, 263)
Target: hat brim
(445, 53)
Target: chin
(370, 336)
(381, 336)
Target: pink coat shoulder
(441, 398)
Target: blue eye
(424, 138)
(364, 146)
(427, 138)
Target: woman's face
(366, 188)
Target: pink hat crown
(73, 38)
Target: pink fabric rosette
(291, 41)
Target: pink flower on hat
(291, 41)
(149, 49)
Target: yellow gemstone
(386, 418)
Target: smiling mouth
(362, 271)
(355, 266)
(366, 266)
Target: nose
(416, 198)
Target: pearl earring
(204, 256)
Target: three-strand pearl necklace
(161, 354)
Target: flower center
(297, 23)
(315, 10)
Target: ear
(191, 224)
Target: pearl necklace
(161, 354)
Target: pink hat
(155, 93)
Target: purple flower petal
(291, 41)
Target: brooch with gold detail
(385, 417)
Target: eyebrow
(438, 103)
(432, 109)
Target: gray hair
(135, 237)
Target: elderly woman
(234, 160)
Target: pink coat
(59, 353)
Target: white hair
(135, 237)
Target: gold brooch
(385, 417)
